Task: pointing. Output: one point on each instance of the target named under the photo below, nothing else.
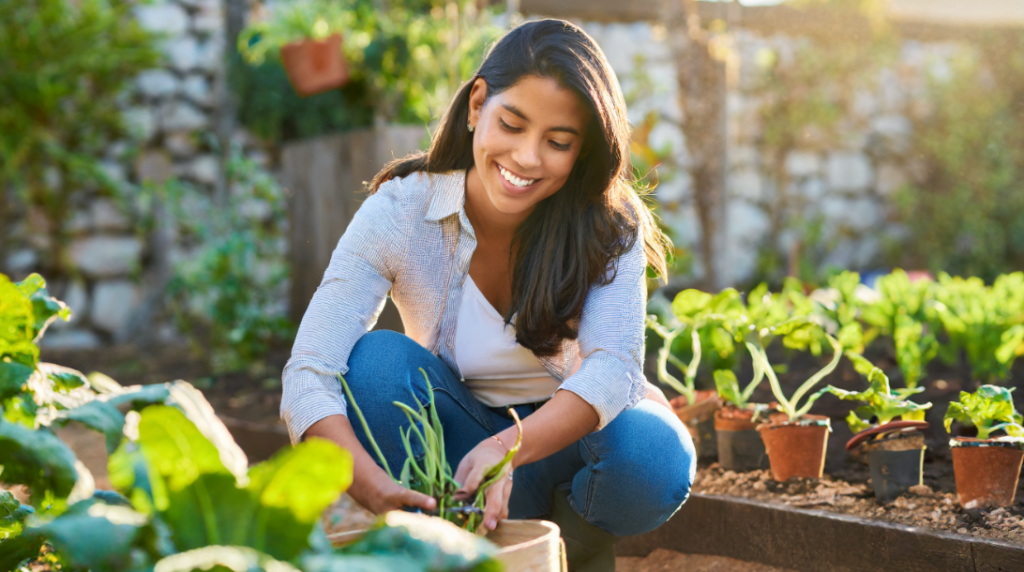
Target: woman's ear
(477, 97)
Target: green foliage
(879, 402)
(231, 291)
(966, 216)
(984, 321)
(990, 409)
(406, 61)
(12, 515)
(905, 312)
(792, 406)
(65, 65)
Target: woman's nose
(527, 155)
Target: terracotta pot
(315, 66)
(796, 449)
(986, 472)
(699, 419)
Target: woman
(516, 253)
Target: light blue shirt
(413, 238)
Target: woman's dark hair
(573, 238)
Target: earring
(471, 128)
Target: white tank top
(496, 369)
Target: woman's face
(526, 141)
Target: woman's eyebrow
(517, 112)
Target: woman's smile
(515, 183)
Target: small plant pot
(699, 420)
(880, 436)
(740, 447)
(315, 66)
(986, 472)
(893, 472)
(796, 449)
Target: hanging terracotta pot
(699, 419)
(986, 472)
(315, 66)
(796, 449)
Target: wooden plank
(325, 177)
(804, 539)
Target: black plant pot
(707, 437)
(741, 450)
(893, 472)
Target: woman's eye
(561, 146)
(508, 127)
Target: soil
(932, 505)
(663, 560)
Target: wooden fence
(325, 178)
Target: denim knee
(638, 473)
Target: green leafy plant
(989, 409)
(792, 406)
(984, 321)
(905, 312)
(430, 473)
(406, 60)
(66, 67)
(693, 313)
(231, 291)
(879, 402)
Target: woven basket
(529, 546)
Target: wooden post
(325, 178)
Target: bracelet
(495, 437)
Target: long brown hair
(573, 238)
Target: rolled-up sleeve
(345, 306)
(611, 340)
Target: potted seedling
(740, 447)
(894, 448)
(693, 311)
(796, 441)
(307, 36)
(987, 467)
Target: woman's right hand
(381, 494)
(371, 486)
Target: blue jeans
(626, 479)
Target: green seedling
(792, 406)
(698, 315)
(990, 409)
(879, 401)
(729, 388)
(431, 474)
(905, 311)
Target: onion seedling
(430, 473)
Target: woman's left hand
(470, 474)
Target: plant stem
(366, 428)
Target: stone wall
(846, 184)
(171, 112)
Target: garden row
(915, 321)
(185, 497)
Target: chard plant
(986, 323)
(792, 405)
(879, 401)
(989, 409)
(729, 388)
(905, 312)
(432, 475)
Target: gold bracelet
(495, 437)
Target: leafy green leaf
(689, 303)
(13, 376)
(37, 459)
(67, 380)
(431, 541)
(14, 551)
(12, 515)
(728, 387)
(93, 535)
(99, 416)
(233, 558)
(987, 408)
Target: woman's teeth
(514, 179)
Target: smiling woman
(516, 250)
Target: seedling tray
(815, 540)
